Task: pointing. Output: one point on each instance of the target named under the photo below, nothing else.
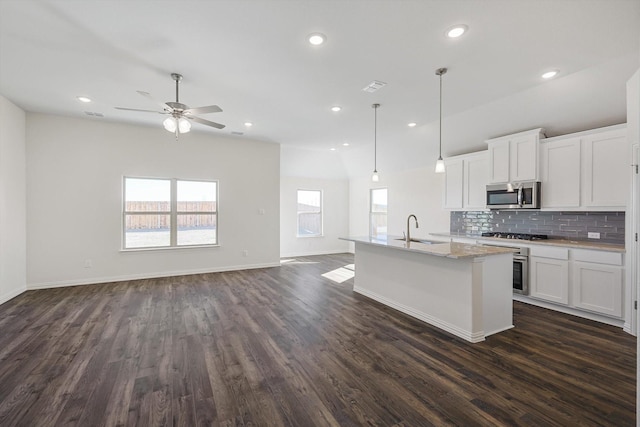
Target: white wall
(335, 204)
(13, 234)
(414, 191)
(74, 199)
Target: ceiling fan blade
(136, 109)
(205, 122)
(152, 99)
(204, 110)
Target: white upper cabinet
(514, 158)
(453, 179)
(476, 177)
(560, 173)
(499, 162)
(465, 181)
(586, 170)
(605, 167)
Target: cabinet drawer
(599, 257)
(547, 252)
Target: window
(309, 213)
(169, 213)
(378, 212)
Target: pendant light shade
(375, 177)
(440, 162)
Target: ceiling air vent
(237, 133)
(373, 86)
(91, 113)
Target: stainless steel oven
(520, 268)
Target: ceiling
(251, 58)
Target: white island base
(470, 297)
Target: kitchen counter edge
(576, 244)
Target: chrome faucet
(408, 237)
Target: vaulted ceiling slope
(252, 59)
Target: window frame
(377, 214)
(320, 211)
(172, 212)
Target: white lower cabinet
(583, 279)
(549, 279)
(598, 288)
(598, 282)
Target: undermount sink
(426, 242)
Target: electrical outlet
(593, 235)
(245, 253)
(88, 263)
(261, 211)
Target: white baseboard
(312, 253)
(568, 310)
(109, 279)
(445, 326)
(11, 294)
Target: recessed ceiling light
(83, 99)
(412, 124)
(456, 31)
(550, 74)
(332, 149)
(248, 124)
(316, 39)
(346, 144)
(336, 108)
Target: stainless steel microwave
(519, 195)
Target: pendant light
(375, 176)
(440, 162)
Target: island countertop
(448, 250)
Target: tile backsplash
(566, 225)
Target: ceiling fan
(180, 114)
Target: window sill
(310, 237)
(169, 248)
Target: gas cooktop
(517, 236)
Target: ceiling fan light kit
(180, 115)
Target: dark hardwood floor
(286, 346)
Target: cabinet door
(523, 158)
(476, 177)
(499, 162)
(560, 170)
(453, 173)
(549, 279)
(605, 168)
(597, 288)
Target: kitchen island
(463, 289)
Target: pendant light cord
(440, 116)
(440, 72)
(375, 137)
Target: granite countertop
(567, 243)
(447, 250)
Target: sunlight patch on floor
(341, 274)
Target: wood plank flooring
(286, 346)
